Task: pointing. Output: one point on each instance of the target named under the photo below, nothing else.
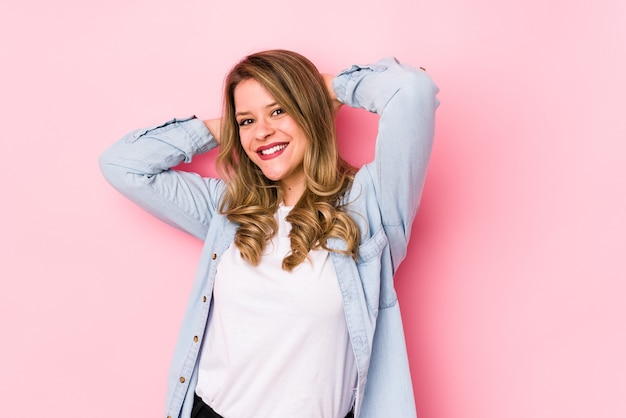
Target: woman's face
(270, 137)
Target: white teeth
(272, 150)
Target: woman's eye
(277, 112)
(244, 122)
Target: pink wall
(513, 292)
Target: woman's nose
(263, 130)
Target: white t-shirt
(277, 345)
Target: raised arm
(140, 166)
(405, 99)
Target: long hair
(251, 199)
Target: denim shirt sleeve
(139, 166)
(405, 100)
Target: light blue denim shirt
(383, 201)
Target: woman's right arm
(140, 167)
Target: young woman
(293, 311)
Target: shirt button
(182, 379)
(204, 299)
(214, 256)
(195, 338)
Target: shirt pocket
(369, 265)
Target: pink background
(513, 293)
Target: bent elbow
(420, 89)
(115, 173)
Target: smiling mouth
(272, 150)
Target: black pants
(202, 410)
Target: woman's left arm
(405, 99)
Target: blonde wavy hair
(251, 199)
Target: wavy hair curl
(251, 199)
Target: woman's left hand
(328, 80)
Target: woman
(293, 311)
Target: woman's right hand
(214, 126)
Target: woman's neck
(291, 193)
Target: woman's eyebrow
(246, 112)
